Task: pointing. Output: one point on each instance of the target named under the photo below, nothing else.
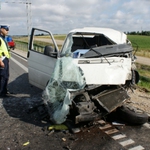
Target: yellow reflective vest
(4, 49)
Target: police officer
(4, 61)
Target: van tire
(132, 115)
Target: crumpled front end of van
(68, 94)
(67, 77)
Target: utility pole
(28, 11)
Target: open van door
(42, 56)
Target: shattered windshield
(81, 43)
(92, 45)
(66, 49)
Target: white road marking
(127, 142)
(137, 148)
(119, 136)
(105, 127)
(20, 55)
(111, 131)
(19, 64)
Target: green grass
(144, 83)
(143, 43)
(144, 72)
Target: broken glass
(57, 97)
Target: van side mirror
(49, 51)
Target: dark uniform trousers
(4, 76)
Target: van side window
(42, 42)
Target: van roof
(117, 36)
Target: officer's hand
(2, 64)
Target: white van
(88, 76)
(104, 55)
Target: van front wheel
(132, 115)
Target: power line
(18, 1)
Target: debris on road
(58, 127)
(27, 143)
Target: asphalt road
(23, 128)
(143, 60)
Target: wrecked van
(88, 78)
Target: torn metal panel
(111, 99)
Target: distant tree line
(147, 33)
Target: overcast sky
(61, 16)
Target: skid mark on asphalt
(122, 139)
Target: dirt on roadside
(140, 99)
